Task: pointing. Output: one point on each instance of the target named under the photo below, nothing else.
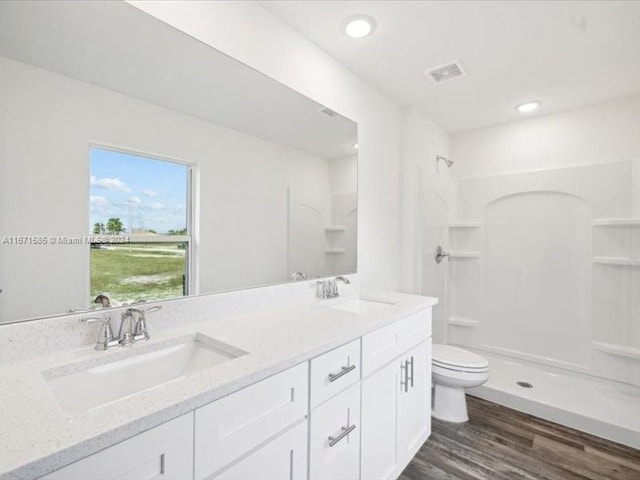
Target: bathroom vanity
(334, 389)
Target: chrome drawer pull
(404, 369)
(334, 376)
(412, 371)
(345, 431)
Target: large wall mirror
(139, 164)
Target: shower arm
(447, 162)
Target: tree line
(114, 226)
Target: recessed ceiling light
(359, 26)
(355, 145)
(528, 107)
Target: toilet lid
(457, 358)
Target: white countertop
(37, 436)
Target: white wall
(48, 124)
(254, 36)
(606, 132)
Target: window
(140, 213)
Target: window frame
(190, 287)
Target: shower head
(445, 160)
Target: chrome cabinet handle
(411, 371)
(345, 431)
(404, 368)
(335, 376)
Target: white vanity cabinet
(359, 411)
(396, 400)
(379, 421)
(164, 452)
(334, 437)
(414, 406)
(235, 425)
(283, 458)
(334, 371)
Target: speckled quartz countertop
(37, 436)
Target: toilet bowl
(453, 370)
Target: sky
(143, 193)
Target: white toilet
(453, 370)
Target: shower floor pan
(606, 409)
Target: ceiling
(565, 54)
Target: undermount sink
(91, 386)
(362, 305)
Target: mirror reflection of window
(139, 219)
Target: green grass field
(131, 273)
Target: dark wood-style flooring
(502, 444)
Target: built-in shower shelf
(464, 224)
(617, 350)
(616, 222)
(462, 322)
(464, 255)
(334, 228)
(620, 261)
(333, 251)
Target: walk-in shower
(544, 281)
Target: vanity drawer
(334, 371)
(236, 424)
(163, 452)
(334, 437)
(284, 458)
(382, 346)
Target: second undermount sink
(362, 305)
(79, 389)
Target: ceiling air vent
(446, 72)
(328, 112)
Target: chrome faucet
(133, 328)
(106, 340)
(133, 325)
(329, 288)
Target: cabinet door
(231, 427)
(379, 420)
(164, 452)
(334, 443)
(284, 458)
(414, 419)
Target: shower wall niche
(546, 267)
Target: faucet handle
(322, 289)
(333, 288)
(106, 339)
(139, 330)
(155, 308)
